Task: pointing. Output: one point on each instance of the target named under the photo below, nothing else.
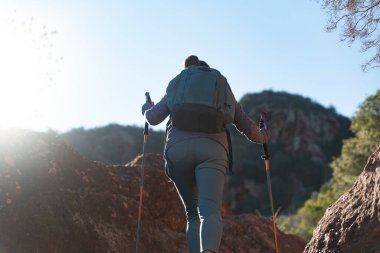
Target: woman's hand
(146, 107)
(264, 135)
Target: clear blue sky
(88, 63)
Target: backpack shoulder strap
(168, 126)
(230, 154)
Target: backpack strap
(230, 154)
(168, 125)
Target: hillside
(113, 144)
(305, 136)
(53, 200)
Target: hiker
(197, 161)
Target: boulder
(352, 223)
(54, 200)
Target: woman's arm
(247, 127)
(155, 114)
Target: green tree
(355, 151)
(346, 168)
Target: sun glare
(27, 70)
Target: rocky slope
(54, 200)
(352, 223)
(300, 124)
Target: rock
(352, 223)
(55, 200)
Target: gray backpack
(200, 100)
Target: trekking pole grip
(263, 124)
(148, 100)
(147, 96)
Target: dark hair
(191, 60)
(203, 64)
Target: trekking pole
(146, 133)
(266, 157)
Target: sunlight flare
(28, 67)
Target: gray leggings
(198, 167)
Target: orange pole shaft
(141, 191)
(275, 232)
(271, 205)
